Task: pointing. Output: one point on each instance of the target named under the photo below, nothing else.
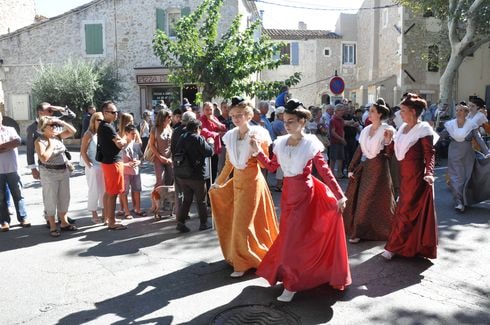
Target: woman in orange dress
(242, 205)
(414, 228)
(311, 247)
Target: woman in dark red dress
(311, 247)
(414, 229)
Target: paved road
(150, 274)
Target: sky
(322, 14)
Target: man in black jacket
(195, 149)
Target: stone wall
(129, 27)
(315, 67)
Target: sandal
(96, 219)
(140, 213)
(128, 217)
(117, 226)
(54, 233)
(120, 213)
(68, 228)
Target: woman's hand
(388, 135)
(429, 179)
(254, 144)
(341, 205)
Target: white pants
(96, 187)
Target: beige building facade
(118, 32)
(394, 49)
(317, 54)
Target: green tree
(222, 66)
(468, 28)
(76, 85)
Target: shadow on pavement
(411, 316)
(150, 296)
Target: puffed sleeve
(271, 164)
(429, 155)
(327, 176)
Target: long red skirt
(311, 247)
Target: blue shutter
(294, 53)
(94, 43)
(161, 20)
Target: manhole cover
(254, 314)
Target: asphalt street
(151, 274)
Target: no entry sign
(337, 85)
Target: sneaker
(387, 255)
(237, 274)
(204, 226)
(286, 296)
(354, 240)
(5, 227)
(459, 207)
(182, 228)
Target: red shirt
(336, 124)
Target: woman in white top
(311, 248)
(461, 157)
(371, 206)
(242, 205)
(93, 171)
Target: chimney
(302, 25)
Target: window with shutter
(348, 53)
(161, 20)
(94, 38)
(294, 53)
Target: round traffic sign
(337, 85)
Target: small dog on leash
(160, 195)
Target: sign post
(337, 85)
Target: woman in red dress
(414, 228)
(311, 247)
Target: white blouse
(293, 159)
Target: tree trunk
(208, 93)
(446, 83)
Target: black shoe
(182, 228)
(71, 221)
(204, 226)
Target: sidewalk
(151, 274)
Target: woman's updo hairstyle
(241, 104)
(295, 107)
(382, 108)
(478, 102)
(415, 102)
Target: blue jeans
(15, 186)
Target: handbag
(149, 155)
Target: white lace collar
(457, 133)
(371, 146)
(239, 151)
(403, 142)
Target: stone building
(317, 54)
(14, 14)
(108, 31)
(396, 53)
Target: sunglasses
(112, 112)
